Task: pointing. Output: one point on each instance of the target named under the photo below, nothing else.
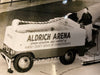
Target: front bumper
(7, 52)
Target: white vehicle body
(34, 37)
(44, 39)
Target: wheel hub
(68, 55)
(24, 62)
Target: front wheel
(68, 57)
(23, 62)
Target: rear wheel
(23, 62)
(68, 57)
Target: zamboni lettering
(62, 35)
(39, 37)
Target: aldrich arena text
(48, 36)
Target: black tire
(70, 60)
(27, 58)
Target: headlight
(12, 52)
(9, 50)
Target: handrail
(11, 1)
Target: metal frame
(9, 61)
